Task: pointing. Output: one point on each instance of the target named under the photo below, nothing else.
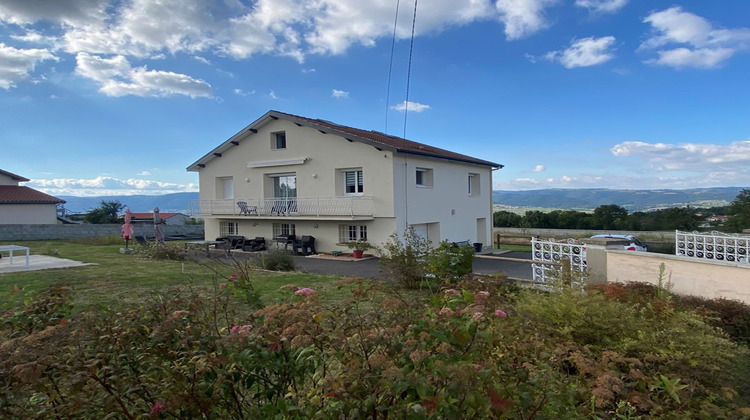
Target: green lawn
(118, 278)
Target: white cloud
(523, 17)
(16, 65)
(689, 165)
(243, 93)
(103, 185)
(584, 52)
(539, 168)
(602, 6)
(71, 12)
(683, 39)
(339, 93)
(144, 173)
(117, 78)
(410, 106)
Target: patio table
(11, 248)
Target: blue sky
(104, 97)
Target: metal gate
(548, 256)
(715, 246)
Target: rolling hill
(633, 200)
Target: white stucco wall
(709, 279)
(6, 180)
(446, 205)
(29, 214)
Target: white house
(286, 174)
(20, 205)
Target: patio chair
(305, 246)
(246, 210)
(235, 242)
(257, 244)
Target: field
(123, 279)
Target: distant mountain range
(167, 203)
(633, 200)
(572, 199)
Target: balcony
(345, 208)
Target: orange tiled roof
(11, 194)
(374, 138)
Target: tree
(106, 213)
(610, 216)
(739, 212)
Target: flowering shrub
(481, 349)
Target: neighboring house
(169, 218)
(285, 174)
(21, 205)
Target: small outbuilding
(20, 205)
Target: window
(284, 193)
(349, 233)
(283, 229)
(278, 140)
(225, 188)
(424, 177)
(473, 184)
(227, 228)
(353, 184)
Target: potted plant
(359, 247)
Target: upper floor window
(278, 140)
(353, 183)
(424, 177)
(473, 184)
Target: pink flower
(222, 285)
(241, 330)
(452, 292)
(477, 316)
(500, 313)
(306, 291)
(235, 276)
(446, 311)
(483, 293)
(157, 408)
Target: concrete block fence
(51, 232)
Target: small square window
(424, 177)
(278, 140)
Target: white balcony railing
(358, 206)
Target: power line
(408, 72)
(390, 69)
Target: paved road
(369, 268)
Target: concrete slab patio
(36, 262)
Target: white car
(635, 243)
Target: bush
(450, 261)
(161, 252)
(483, 350)
(277, 261)
(404, 259)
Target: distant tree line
(614, 217)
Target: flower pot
(357, 253)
